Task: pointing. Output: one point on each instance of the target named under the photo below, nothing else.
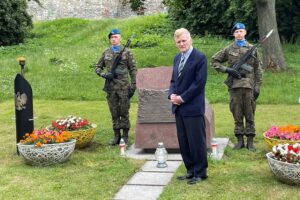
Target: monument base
(148, 135)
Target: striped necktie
(181, 65)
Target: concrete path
(148, 183)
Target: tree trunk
(272, 51)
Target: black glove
(256, 93)
(98, 71)
(130, 92)
(107, 75)
(234, 73)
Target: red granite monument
(155, 121)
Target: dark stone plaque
(151, 105)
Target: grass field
(59, 55)
(60, 52)
(98, 172)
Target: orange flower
(40, 137)
(34, 137)
(289, 129)
(38, 144)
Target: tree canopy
(14, 21)
(218, 16)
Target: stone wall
(89, 9)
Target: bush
(199, 16)
(288, 19)
(156, 24)
(245, 12)
(137, 6)
(217, 17)
(147, 41)
(14, 21)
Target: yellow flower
(21, 59)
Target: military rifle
(239, 65)
(119, 57)
(110, 75)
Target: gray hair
(180, 32)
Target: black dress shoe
(195, 180)
(185, 177)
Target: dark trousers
(242, 106)
(192, 143)
(119, 105)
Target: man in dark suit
(187, 95)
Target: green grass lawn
(98, 172)
(59, 55)
(240, 174)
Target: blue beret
(113, 32)
(238, 26)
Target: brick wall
(89, 9)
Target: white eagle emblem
(20, 101)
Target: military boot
(240, 144)
(117, 137)
(250, 145)
(125, 135)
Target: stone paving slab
(139, 192)
(149, 182)
(150, 178)
(150, 166)
(222, 143)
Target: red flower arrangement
(289, 132)
(70, 123)
(287, 153)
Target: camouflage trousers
(119, 105)
(242, 106)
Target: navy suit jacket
(190, 85)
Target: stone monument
(155, 121)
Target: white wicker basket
(47, 154)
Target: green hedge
(216, 17)
(14, 21)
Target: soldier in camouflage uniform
(246, 85)
(119, 88)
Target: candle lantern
(214, 148)
(161, 155)
(122, 146)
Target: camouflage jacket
(231, 54)
(126, 66)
